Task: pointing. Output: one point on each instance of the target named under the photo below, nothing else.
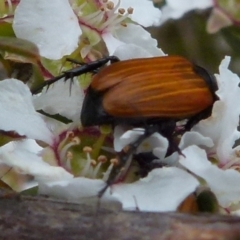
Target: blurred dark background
(188, 37)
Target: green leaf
(6, 137)
(56, 117)
(207, 202)
(30, 192)
(19, 50)
(6, 29)
(232, 36)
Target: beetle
(149, 89)
(153, 93)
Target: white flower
(26, 157)
(223, 183)
(20, 117)
(221, 127)
(55, 27)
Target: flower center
(89, 162)
(234, 163)
(107, 17)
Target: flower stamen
(110, 5)
(69, 157)
(87, 166)
(114, 162)
(101, 159)
(63, 152)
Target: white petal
(51, 25)
(126, 45)
(141, 38)
(27, 144)
(26, 161)
(223, 183)
(77, 189)
(61, 98)
(157, 143)
(18, 113)
(122, 138)
(162, 190)
(131, 51)
(221, 127)
(171, 160)
(176, 9)
(144, 12)
(117, 142)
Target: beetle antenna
(48, 83)
(71, 60)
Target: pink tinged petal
(27, 162)
(176, 9)
(236, 212)
(51, 25)
(162, 190)
(218, 20)
(144, 11)
(18, 113)
(235, 209)
(223, 183)
(64, 98)
(78, 189)
(221, 127)
(141, 38)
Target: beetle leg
(77, 71)
(124, 158)
(71, 60)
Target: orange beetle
(140, 91)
